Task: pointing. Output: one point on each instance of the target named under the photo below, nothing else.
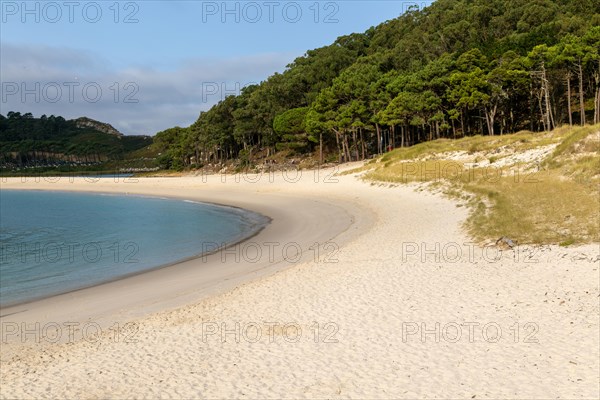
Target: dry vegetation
(535, 188)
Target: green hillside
(53, 143)
(456, 68)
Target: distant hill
(53, 142)
(85, 122)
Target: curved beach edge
(398, 304)
(301, 225)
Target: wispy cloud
(136, 100)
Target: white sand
(358, 308)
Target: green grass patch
(558, 205)
(534, 209)
(569, 144)
(521, 141)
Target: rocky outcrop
(85, 122)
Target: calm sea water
(55, 242)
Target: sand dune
(396, 303)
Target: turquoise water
(55, 242)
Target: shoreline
(390, 313)
(140, 294)
(224, 246)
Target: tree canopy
(27, 141)
(455, 68)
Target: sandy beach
(359, 290)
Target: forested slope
(50, 142)
(453, 69)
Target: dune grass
(535, 209)
(558, 204)
(520, 141)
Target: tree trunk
(337, 141)
(453, 129)
(569, 98)
(581, 99)
(378, 138)
(355, 144)
(542, 114)
(362, 143)
(597, 96)
(597, 107)
(490, 116)
(402, 135)
(531, 106)
(348, 154)
(320, 148)
(546, 90)
(468, 123)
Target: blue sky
(144, 66)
